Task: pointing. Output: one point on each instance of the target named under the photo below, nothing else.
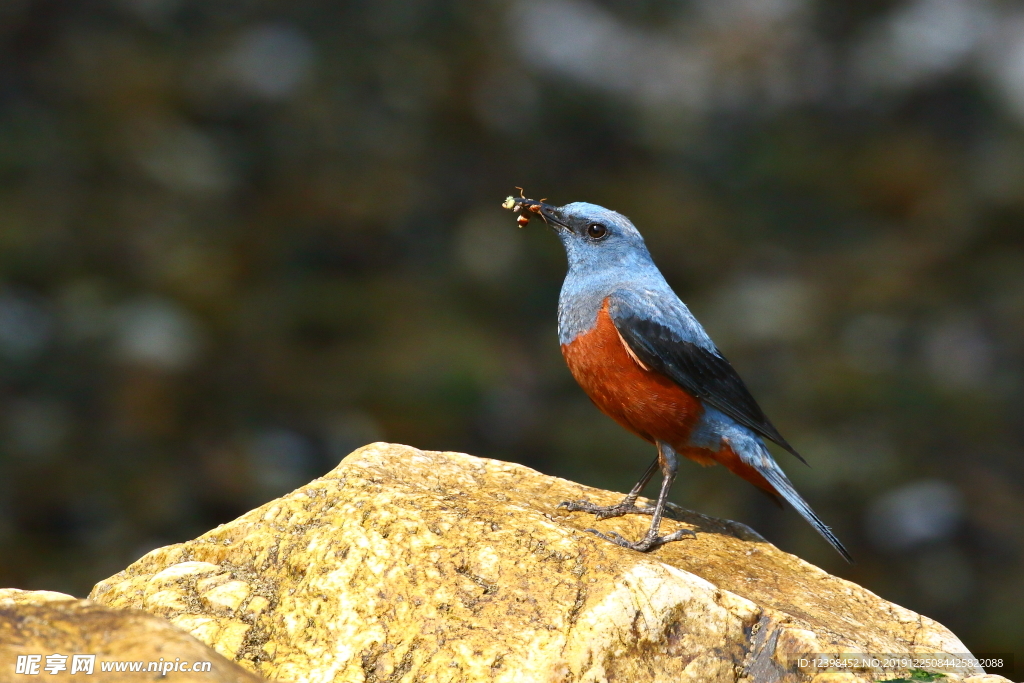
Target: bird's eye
(596, 231)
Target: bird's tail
(780, 482)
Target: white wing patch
(630, 351)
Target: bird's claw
(605, 511)
(600, 512)
(644, 544)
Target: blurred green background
(239, 239)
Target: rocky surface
(404, 565)
(45, 623)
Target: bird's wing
(665, 337)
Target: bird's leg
(627, 506)
(669, 462)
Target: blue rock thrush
(647, 363)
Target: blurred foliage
(240, 239)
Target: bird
(646, 362)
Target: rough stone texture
(46, 623)
(405, 565)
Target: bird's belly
(643, 401)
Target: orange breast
(646, 403)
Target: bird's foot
(646, 543)
(606, 511)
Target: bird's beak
(528, 208)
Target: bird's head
(593, 236)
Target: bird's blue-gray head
(595, 238)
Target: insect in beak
(525, 207)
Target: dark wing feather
(702, 372)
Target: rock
(16, 596)
(405, 565)
(45, 623)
